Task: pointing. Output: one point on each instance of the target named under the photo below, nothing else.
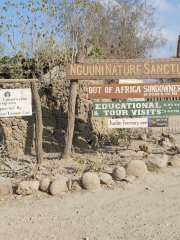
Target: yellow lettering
(97, 70)
(91, 70)
(108, 69)
(79, 70)
(146, 65)
(173, 67)
(165, 66)
(159, 69)
(138, 69)
(132, 69)
(126, 72)
(85, 73)
(120, 69)
(178, 69)
(153, 69)
(73, 69)
(114, 72)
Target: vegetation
(10, 167)
(86, 165)
(47, 33)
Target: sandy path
(147, 209)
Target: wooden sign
(137, 122)
(141, 108)
(125, 69)
(142, 90)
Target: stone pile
(90, 181)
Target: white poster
(15, 102)
(132, 81)
(128, 123)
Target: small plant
(12, 168)
(86, 165)
(116, 137)
(145, 148)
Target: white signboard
(15, 102)
(121, 81)
(126, 81)
(128, 123)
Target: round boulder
(44, 184)
(136, 168)
(175, 160)
(157, 162)
(119, 173)
(90, 181)
(105, 178)
(58, 186)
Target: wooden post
(178, 48)
(71, 106)
(38, 125)
(38, 112)
(71, 119)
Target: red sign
(118, 91)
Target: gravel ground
(146, 209)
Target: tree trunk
(38, 124)
(178, 48)
(71, 119)
(72, 106)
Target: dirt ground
(148, 208)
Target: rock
(28, 187)
(75, 186)
(81, 126)
(44, 184)
(90, 181)
(127, 153)
(157, 162)
(175, 160)
(136, 168)
(143, 137)
(18, 197)
(119, 173)
(129, 178)
(69, 184)
(105, 178)
(167, 144)
(5, 187)
(58, 186)
(139, 153)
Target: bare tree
(127, 29)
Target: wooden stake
(178, 48)
(71, 106)
(71, 119)
(38, 124)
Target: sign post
(8, 111)
(97, 69)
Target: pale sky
(168, 14)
